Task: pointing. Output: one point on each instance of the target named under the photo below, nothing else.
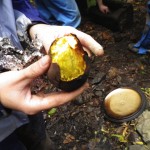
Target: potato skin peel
(75, 58)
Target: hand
(15, 92)
(48, 33)
(104, 9)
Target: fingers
(106, 10)
(36, 69)
(63, 97)
(88, 52)
(88, 42)
(58, 31)
(44, 102)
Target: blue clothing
(143, 45)
(7, 22)
(16, 15)
(61, 12)
(28, 10)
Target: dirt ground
(81, 124)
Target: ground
(81, 124)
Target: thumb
(37, 68)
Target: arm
(103, 8)
(15, 91)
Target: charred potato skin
(76, 83)
(68, 86)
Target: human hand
(15, 92)
(104, 9)
(48, 33)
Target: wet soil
(81, 124)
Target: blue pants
(143, 44)
(60, 12)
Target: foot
(132, 48)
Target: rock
(98, 78)
(143, 126)
(113, 72)
(137, 147)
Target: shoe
(132, 48)
(139, 50)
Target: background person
(143, 45)
(102, 7)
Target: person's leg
(45, 12)
(65, 12)
(12, 143)
(143, 45)
(34, 136)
